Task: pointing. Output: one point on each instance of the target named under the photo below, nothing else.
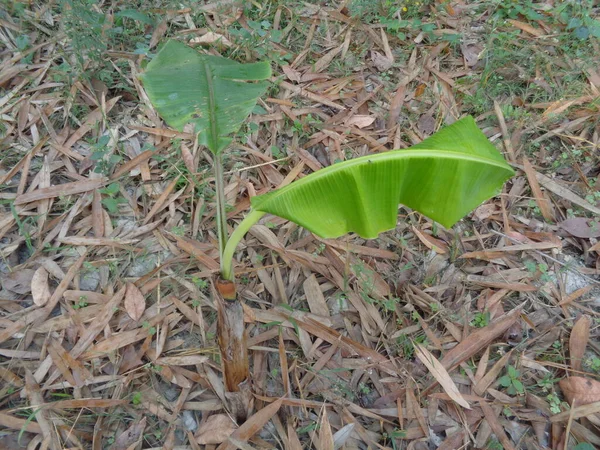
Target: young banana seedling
(444, 177)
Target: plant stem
(220, 197)
(236, 237)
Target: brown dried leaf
(381, 62)
(430, 242)
(440, 374)
(212, 38)
(215, 430)
(578, 341)
(188, 158)
(325, 434)
(18, 281)
(40, 290)
(584, 390)
(135, 303)
(471, 54)
(538, 195)
(426, 124)
(479, 339)
(253, 424)
(61, 190)
(130, 436)
(581, 227)
(360, 121)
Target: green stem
(236, 237)
(220, 197)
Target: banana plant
(444, 177)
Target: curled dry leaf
(40, 290)
(430, 242)
(215, 430)
(211, 38)
(381, 62)
(135, 303)
(584, 390)
(360, 121)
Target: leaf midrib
(214, 140)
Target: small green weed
(511, 381)
(554, 402)
(594, 363)
(111, 201)
(481, 319)
(136, 399)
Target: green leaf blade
(213, 93)
(444, 177)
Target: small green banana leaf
(444, 177)
(214, 93)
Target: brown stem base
(231, 332)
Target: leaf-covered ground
(482, 336)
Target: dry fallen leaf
(440, 374)
(130, 436)
(480, 339)
(381, 62)
(581, 227)
(40, 290)
(426, 124)
(18, 281)
(430, 242)
(135, 303)
(215, 430)
(212, 38)
(253, 425)
(471, 54)
(578, 341)
(360, 121)
(584, 390)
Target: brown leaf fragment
(253, 424)
(130, 436)
(41, 414)
(440, 374)
(325, 434)
(18, 281)
(536, 191)
(135, 303)
(40, 290)
(584, 390)
(396, 106)
(77, 187)
(380, 61)
(188, 158)
(426, 124)
(432, 243)
(314, 297)
(360, 121)
(212, 38)
(581, 227)
(480, 339)
(471, 54)
(492, 420)
(215, 430)
(527, 28)
(578, 341)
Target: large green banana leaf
(444, 177)
(211, 92)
